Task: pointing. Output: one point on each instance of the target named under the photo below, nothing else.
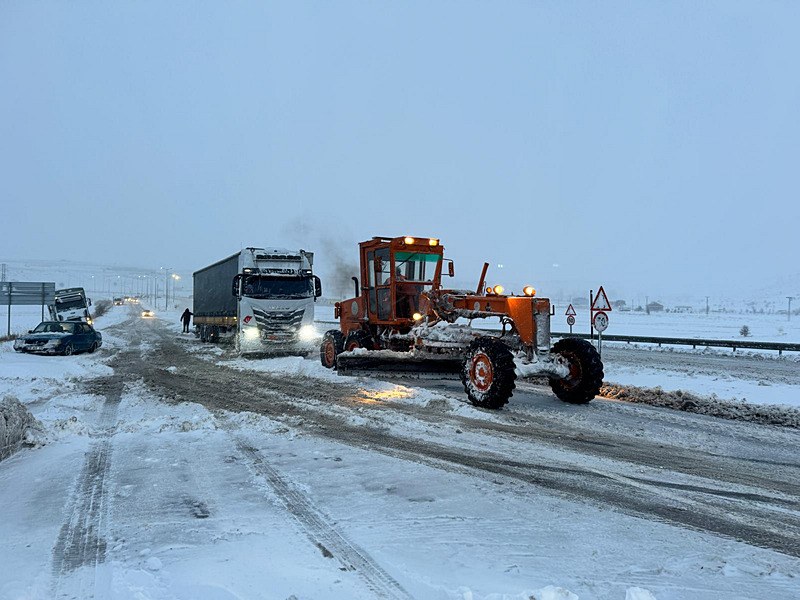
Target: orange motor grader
(402, 321)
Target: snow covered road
(191, 474)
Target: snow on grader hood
(402, 321)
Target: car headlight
(251, 333)
(308, 332)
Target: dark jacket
(186, 316)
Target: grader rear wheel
(586, 371)
(488, 373)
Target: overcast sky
(645, 145)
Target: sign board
(570, 320)
(27, 293)
(600, 321)
(600, 301)
(570, 311)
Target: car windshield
(51, 327)
(278, 287)
(71, 304)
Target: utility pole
(647, 304)
(3, 272)
(789, 312)
(707, 304)
(166, 287)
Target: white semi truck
(261, 299)
(70, 304)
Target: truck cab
(276, 290)
(70, 304)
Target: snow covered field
(173, 469)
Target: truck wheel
(331, 347)
(359, 339)
(585, 371)
(203, 333)
(488, 373)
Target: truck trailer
(260, 299)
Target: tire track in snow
(318, 528)
(81, 544)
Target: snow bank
(17, 426)
(763, 414)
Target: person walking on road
(186, 317)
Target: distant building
(655, 307)
(618, 304)
(683, 309)
(580, 301)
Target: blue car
(60, 337)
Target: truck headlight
(308, 332)
(251, 333)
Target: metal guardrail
(780, 347)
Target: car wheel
(67, 350)
(92, 348)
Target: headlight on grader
(528, 290)
(408, 240)
(433, 242)
(498, 289)
(417, 316)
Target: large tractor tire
(586, 371)
(331, 347)
(358, 338)
(488, 373)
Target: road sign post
(26, 293)
(570, 317)
(599, 316)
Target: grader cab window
(414, 266)
(414, 273)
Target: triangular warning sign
(600, 301)
(570, 311)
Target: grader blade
(396, 364)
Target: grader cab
(402, 321)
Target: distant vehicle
(148, 314)
(262, 299)
(71, 304)
(118, 301)
(64, 337)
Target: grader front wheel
(332, 346)
(488, 373)
(585, 371)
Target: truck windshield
(70, 303)
(278, 287)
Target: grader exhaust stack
(403, 321)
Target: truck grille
(279, 321)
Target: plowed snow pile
(764, 414)
(17, 426)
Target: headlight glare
(308, 332)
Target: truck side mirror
(451, 269)
(235, 289)
(89, 300)
(317, 287)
